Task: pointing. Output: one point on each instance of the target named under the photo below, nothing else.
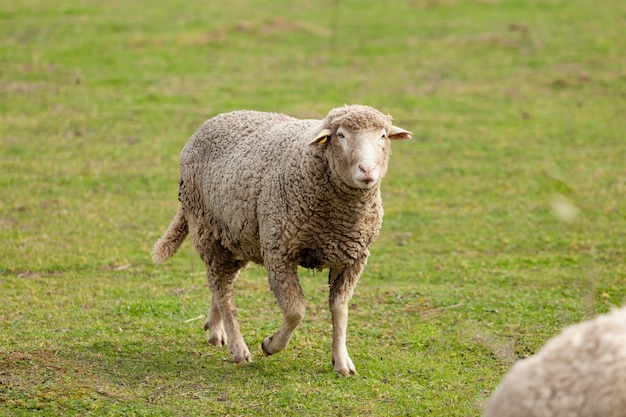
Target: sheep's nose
(368, 172)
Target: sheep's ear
(323, 136)
(397, 133)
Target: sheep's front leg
(342, 283)
(286, 288)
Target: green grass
(517, 109)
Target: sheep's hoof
(243, 358)
(264, 343)
(347, 369)
(346, 372)
(241, 355)
(217, 341)
(217, 336)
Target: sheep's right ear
(322, 137)
(397, 133)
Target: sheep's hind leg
(222, 272)
(215, 325)
(342, 283)
(286, 288)
(221, 284)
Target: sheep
(581, 372)
(274, 190)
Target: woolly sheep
(581, 372)
(282, 192)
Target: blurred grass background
(504, 217)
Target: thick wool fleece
(255, 184)
(579, 373)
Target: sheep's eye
(340, 135)
(384, 136)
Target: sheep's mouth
(366, 184)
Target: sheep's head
(357, 140)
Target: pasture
(505, 216)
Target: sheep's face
(359, 158)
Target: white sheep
(581, 372)
(282, 192)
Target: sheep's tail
(171, 240)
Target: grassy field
(505, 217)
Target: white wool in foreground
(581, 372)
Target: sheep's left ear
(323, 136)
(396, 133)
